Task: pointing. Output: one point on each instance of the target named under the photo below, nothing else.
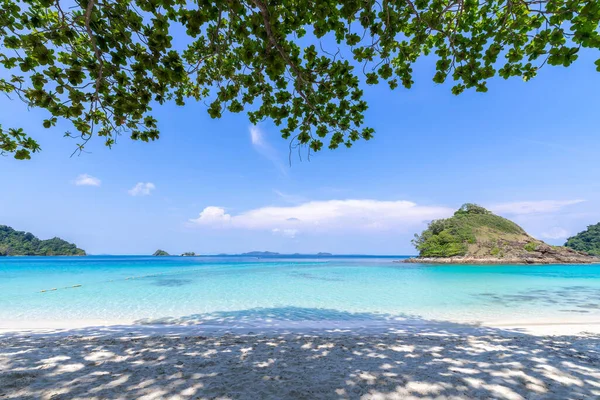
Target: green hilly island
(19, 243)
(588, 240)
(476, 235)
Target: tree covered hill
(588, 240)
(19, 243)
(476, 235)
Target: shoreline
(492, 261)
(573, 325)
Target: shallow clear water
(232, 290)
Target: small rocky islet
(474, 235)
(160, 253)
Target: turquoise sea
(247, 291)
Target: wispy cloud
(533, 207)
(326, 216)
(264, 148)
(87, 180)
(142, 189)
(257, 136)
(556, 233)
(288, 233)
(290, 198)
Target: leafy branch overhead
(103, 65)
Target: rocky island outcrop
(475, 235)
(160, 252)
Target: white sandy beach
(427, 361)
(565, 325)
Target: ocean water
(246, 291)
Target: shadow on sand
(414, 359)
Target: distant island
(160, 252)
(588, 240)
(272, 254)
(475, 235)
(19, 243)
(260, 253)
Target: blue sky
(527, 150)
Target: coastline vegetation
(452, 236)
(588, 240)
(19, 243)
(476, 235)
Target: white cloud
(556, 233)
(289, 233)
(326, 216)
(532, 207)
(142, 189)
(290, 198)
(87, 180)
(257, 136)
(264, 148)
(212, 216)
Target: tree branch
(88, 15)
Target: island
(275, 254)
(19, 243)
(588, 240)
(475, 235)
(160, 252)
(260, 254)
(188, 254)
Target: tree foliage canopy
(18, 243)
(103, 65)
(588, 240)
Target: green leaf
(233, 57)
